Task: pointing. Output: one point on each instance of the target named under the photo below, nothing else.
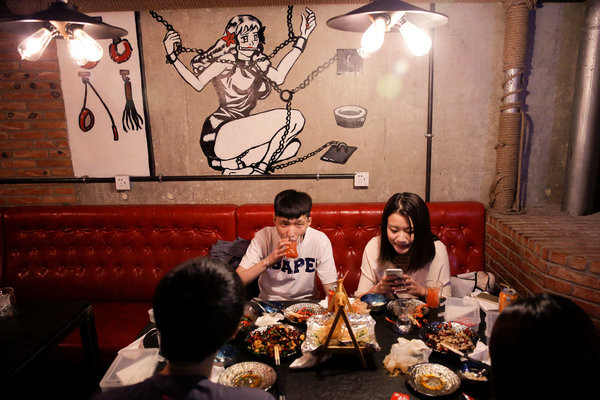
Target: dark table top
(342, 376)
(37, 326)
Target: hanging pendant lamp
(363, 17)
(61, 20)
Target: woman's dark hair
(414, 209)
(292, 204)
(544, 347)
(197, 307)
(236, 25)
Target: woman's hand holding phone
(392, 281)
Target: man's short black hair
(197, 307)
(292, 204)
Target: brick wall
(33, 132)
(544, 250)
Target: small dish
(474, 373)
(305, 310)
(432, 379)
(226, 355)
(249, 374)
(375, 301)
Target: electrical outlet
(122, 182)
(361, 180)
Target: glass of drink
(403, 323)
(434, 290)
(292, 249)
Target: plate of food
(432, 379)
(300, 312)
(453, 334)
(249, 374)
(261, 341)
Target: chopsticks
(280, 386)
(460, 353)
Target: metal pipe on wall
(504, 191)
(176, 178)
(429, 134)
(581, 176)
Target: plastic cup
(433, 292)
(292, 249)
(403, 323)
(7, 302)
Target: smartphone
(395, 271)
(398, 273)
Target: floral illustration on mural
(235, 141)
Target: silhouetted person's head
(197, 307)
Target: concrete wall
(393, 88)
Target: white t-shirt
(371, 271)
(292, 279)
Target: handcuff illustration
(120, 57)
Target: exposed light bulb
(84, 48)
(33, 47)
(372, 39)
(417, 40)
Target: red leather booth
(115, 255)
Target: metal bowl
(474, 373)
(249, 374)
(432, 379)
(375, 301)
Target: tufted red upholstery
(115, 255)
(111, 255)
(349, 226)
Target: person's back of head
(197, 307)
(292, 204)
(544, 346)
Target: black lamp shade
(362, 18)
(61, 14)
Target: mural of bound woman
(235, 141)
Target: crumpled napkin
(481, 353)
(406, 353)
(308, 360)
(268, 319)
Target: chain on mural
(285, 95)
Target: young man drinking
(282, 273)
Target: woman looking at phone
(406, 242)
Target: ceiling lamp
(61, 20)
(381, 16)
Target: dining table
(343, 376)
